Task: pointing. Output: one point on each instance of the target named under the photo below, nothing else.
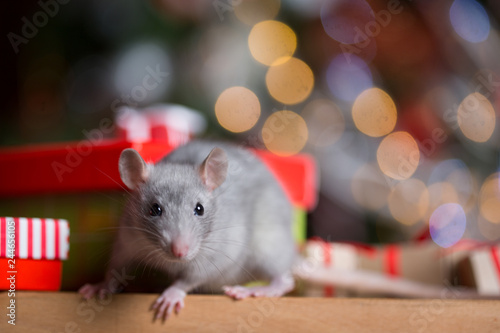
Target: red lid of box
(87, 166)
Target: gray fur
(245, 233)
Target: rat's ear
(213, 170)
(133, 169)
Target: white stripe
(50, 230)
(344, 257)
(63, 239)
(9, 221)
(485, 273)
(23, 238)
(37, 238)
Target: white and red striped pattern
(486, 270)
(35, 238)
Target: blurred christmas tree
(397, 99)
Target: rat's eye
(199, 210)
(155, 210)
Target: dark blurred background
(397, 100)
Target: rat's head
(174, 204)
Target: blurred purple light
(470, 20)
(345, 20)
(348, 77)
(447, 224)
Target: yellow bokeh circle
(489, 199)
(284, 133)
(398, 155)
(408, 201)
(291, 82)
(237, 109)
(476, 117)
(272, 42)
(374, 112)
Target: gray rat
(210, 215)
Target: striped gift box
(420, 262)
(481, 270)
(31, 252)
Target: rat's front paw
(237, 292)
(89, 290)
(171, 298)
(279, 286)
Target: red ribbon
(328, 290)
(496, 260)
(392, 255)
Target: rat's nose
(180, 248)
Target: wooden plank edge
(67, 312)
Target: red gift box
(73, 167)
(170, 123)
(31, 252)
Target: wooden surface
(66, 312)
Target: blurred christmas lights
(447, 224)
(374, 112)
(489, 198)
(470, 20)
(291, 82)
(237, 109)
(284, 133)
(272, 43)
(398, 155)
(408, 201)
(348, 76)
(476, 117)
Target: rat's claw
(89, 290)
(172, 298)
(179, 306)
(237, 292)
(278, 287)
(102, 293)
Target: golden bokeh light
(489, 198)
(272, 43)
(369, 187)
(251, 12)
(291, 82)
(476, 117)
(325, 122)
(284, 133)
(374, 112)
(237, 109)
(408, 201)
(398, 155)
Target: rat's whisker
(227, 241)
(232, 260)
(113, 180)
(218, 269)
